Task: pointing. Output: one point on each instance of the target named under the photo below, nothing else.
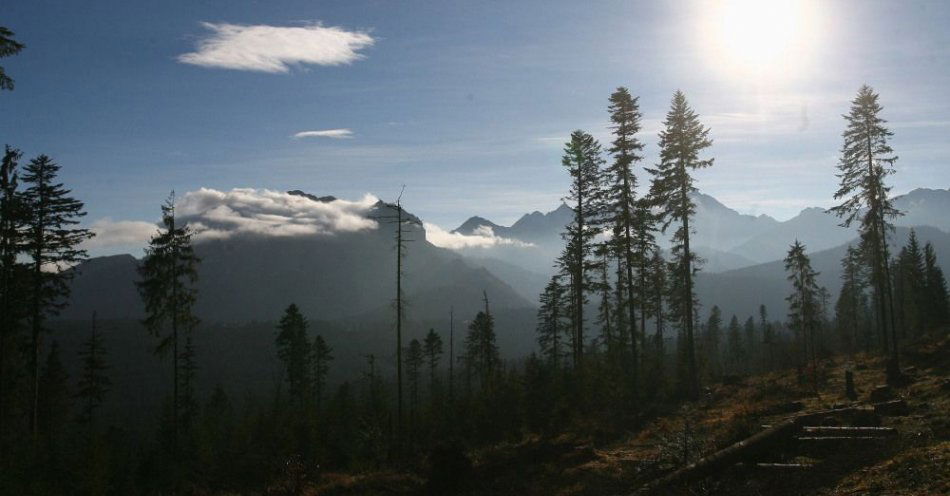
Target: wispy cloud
(275, 48)
(217, 214)
(482, 237)
(326, 133)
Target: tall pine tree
(712, 340)
(938, 303)
(433, 353)
(910, 286)
(734, 346)
(681, 142)
(866, 161)
(320, 359)
(804, 305)
(293, 349)
(620, 184)
(12, 218)
(550, 322)
(8, 47)
(481, 351)
(169, 274)
(53, 244)
(851, 308)
(583, 162)
(93, 381)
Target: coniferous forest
(633, 364)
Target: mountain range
(727, 239)
(348, 277)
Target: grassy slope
(916, 462)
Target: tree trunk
(687, 274)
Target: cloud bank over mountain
(214, 214)
(481, 237)
(119, 233)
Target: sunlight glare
(758, 38)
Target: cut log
(743, 451)
(838, 439)
(792, 467)
(850, 431)
(895, 408)
(787, 407)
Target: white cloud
(119, 233)
(326, 133)
(220, 214)
(483, 237)
(274, 48)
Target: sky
(466, 103)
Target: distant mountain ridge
(726, 238)
(530, 228)
(347, 274)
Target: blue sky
(467, 103)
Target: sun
(760, 38)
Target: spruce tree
(320, 358)
(54, 405)
(169, 274)
(852, 300)
(189, 402)
(602, 285)
(8, 47)
(93, 381)
(53, 245)
(909, 286)
(938, 302)
(621, 207)
(681, 143)
(734, 344)
(414, 362)
(293, 349)
(583, 162)
(765, 327)
(12, 304)
(749, 345)
(645, 249)
(433, 353)
(659, 285)
(803, 303)
(481, 351)
(620, 300)
(866, 161)
(550, 321)
(712, 337)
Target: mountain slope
(722, 228)
(812, 226)
(252, 277)
(741, 291)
